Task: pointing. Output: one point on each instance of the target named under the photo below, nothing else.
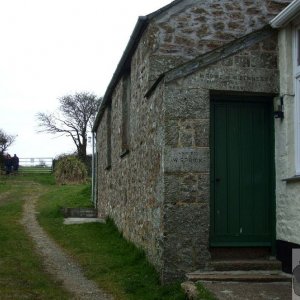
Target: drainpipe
(94, 200)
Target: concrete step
(72, 221)
(244, 265)
(239, 276)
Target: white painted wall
(287, 193)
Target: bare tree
(5, 141)
(75, 117)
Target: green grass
(21, 271)
(36, 170)
(20, 178)
(115, 264)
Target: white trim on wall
(296, 64)
(297, 125)
(297, 50)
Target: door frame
(248, 99)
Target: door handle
(218, 179)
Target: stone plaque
(186, 160)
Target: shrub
(70, 170)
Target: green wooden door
(242, 173)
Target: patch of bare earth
(4, 197)
(56, 261)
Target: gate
(36, 165)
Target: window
(125, 113)
(108, 137)
(297, 96)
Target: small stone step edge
(246, 265)
(73, 221)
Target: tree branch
(75, 114)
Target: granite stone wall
(130, 190)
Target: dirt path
(56, 262)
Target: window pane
(126, 111)
(108, 137)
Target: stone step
(239, 276)
(244, 265)
(79, 212)
(72, 221)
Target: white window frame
(296, 59)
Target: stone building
(185, 134)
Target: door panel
(241, 173)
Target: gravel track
(56, 261)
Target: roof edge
(163, 9)
(286, 15)
(138, 30)
(140, 27)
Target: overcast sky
(50, 48)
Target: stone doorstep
(239, 276)
(244, 265)
(71, 221)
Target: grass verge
(21, 271)
(106, 257)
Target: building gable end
(213, 57)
